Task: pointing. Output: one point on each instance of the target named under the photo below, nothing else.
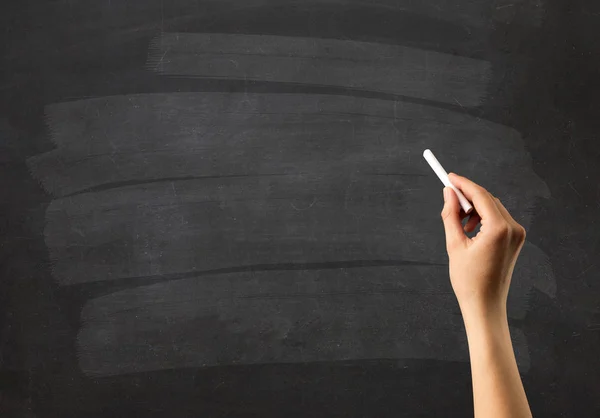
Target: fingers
(487, 209)
(481, 199)
(517, 231)
(503, 211)
(472, 223)
(452, 221)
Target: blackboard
(220, 208)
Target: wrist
(482, 315)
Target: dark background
(547, 87)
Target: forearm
(497, 388)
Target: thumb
(451, 217)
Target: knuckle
(520, 233)
(502, 232)
(445, 213)
(480, 191)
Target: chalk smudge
(325, 62)
(272, 317)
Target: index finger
(482, 201)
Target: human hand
(480, 267)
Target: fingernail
(446, 193)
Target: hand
(480, 271)
(480, 267)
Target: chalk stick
(443, 176)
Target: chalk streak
(369, 66)
(183, 135)
(262, 318)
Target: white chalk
(441, 173)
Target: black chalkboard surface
(220, 208)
